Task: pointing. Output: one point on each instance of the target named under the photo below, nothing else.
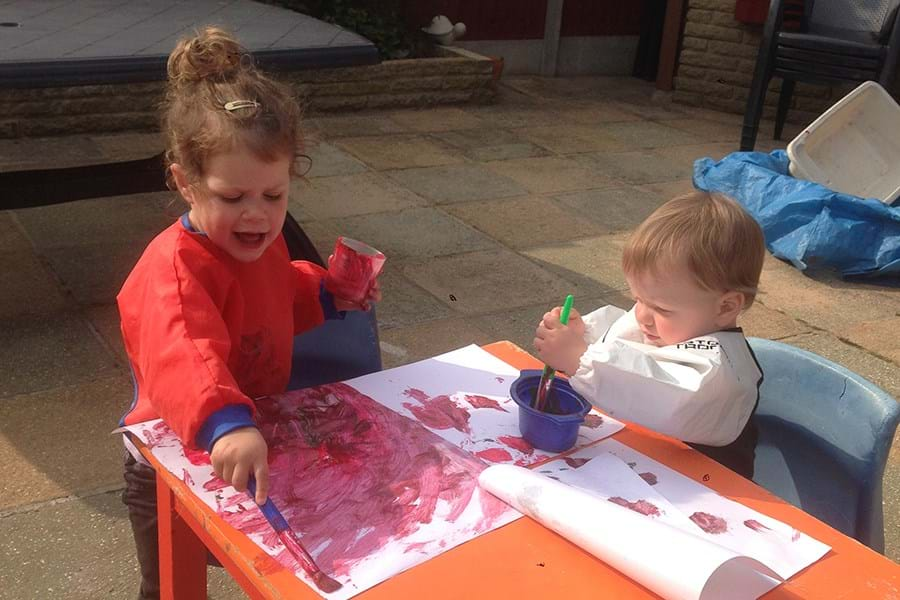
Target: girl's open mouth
(251, 240)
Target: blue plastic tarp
(804, 222)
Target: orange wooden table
(522, 559)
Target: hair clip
(239, 104)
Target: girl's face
(239, 202)
(670, 307)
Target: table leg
(182, 556)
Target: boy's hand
(558, 345)
(373, 296)
(240, 453)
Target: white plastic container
(854, 146)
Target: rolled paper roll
(669, 561)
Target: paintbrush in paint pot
(540, 397)
(292, 542)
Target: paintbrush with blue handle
(292, 542)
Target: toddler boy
(676, 362)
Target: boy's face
(240, 202)
(670, 307)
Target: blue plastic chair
(336, 350)
(824, 437)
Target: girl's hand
(240, 453)
(373, 296)
(558, 345)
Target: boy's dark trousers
(140, 498)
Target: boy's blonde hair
(218, 101)
(720, 243)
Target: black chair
(831, 42)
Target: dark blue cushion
(338, 349)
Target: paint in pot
(554, 431)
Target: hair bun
(211, 54)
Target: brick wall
(717, 60)
(456, 76)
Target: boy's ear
(730, 306)
(182, 183)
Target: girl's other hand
(374, 295)
(240, 453)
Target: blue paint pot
(544, 430)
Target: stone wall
(455, 76)
(717, 60)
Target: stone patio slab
(514, 118)
(414, 232)
(437, 119)
(479, 282)
(40, 467)
(612, 209)
(40, 354)
(403, 345)
(669, 189)
(551, 174)
(637, 167)
(647, 134)
(328, 160)
(487, 144)
(407, 304)
(525, 222)
(94, 274)
(708, 130)
(686, 156)
(397, 152)
(761, 321)
(456, 183)
(824, 304)
(129, 146)
(595, 113)
(134, 219)
(593, 264)
(346, 125)
(32, 153)
(30, 288)
(573, 139)
(870, 335)
(880, 372)
(78, 550)
(349, 195)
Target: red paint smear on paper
(517, 443)
(153, 436)
(593, 421)
(575, 462)
(709, 523)
(639, 506)
(186, 477)
(649, 477)
(756, 526)
(499, 379)
(197, 457)
(483, 402)
(350, 475)
(439, 412)
(495, 455)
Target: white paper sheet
(472, 387)
(458, 399)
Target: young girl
(211, 308)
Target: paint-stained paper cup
(352, 270)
